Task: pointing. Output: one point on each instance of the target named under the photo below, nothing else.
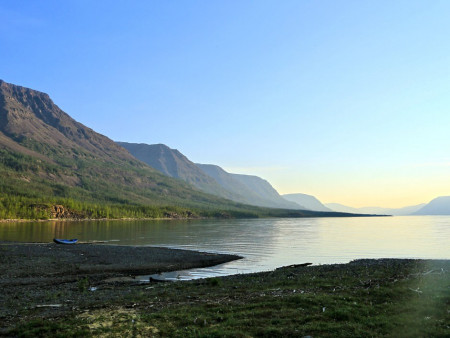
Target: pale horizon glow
(389, 192)
(347, 101)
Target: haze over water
(265, 244)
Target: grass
(395, 298)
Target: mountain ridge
(255, 190)
(29, 113)
(247, 189)
(438, 206)
(173, 163)
(404, 211)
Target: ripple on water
(265, 244)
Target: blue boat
(65, 241)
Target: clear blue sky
(345, 100)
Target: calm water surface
(265, 243)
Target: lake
(265, 244)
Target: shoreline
(366, 297)
(33, 271)
(21, 220)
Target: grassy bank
(365, 298)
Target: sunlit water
(265, 244)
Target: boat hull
(65, 241)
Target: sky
(345, 100)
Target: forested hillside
(52, 166)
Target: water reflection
(265, 243)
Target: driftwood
(417, 290)
(49, 305)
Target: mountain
(251, 189)
(438, 206)
(52, 166)
(172, 163)
(375, 210)
(263, 189)
(212, 179)
(308, 201)
(47, 156)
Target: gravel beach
(19, 261)
(33, 274)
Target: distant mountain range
(375, 210)
(308, 201)
(172, 163)
(209, 178)
(438, 206)
(254, 190)
(312, 203)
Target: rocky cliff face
(29, 114)
(61, 212)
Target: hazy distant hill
(438, 206)
(307, 201)
(265, 191)
(252, 189)
(375, 210)
(174, 164)
(47, 155)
